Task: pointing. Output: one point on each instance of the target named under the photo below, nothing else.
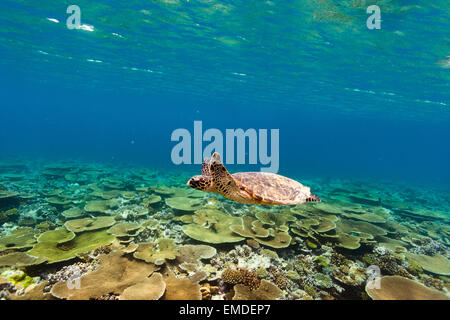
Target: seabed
(72, 230)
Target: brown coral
(243, 276)
(280, 279)
(180, 289)
(400, 288)
(149, 289)
(207, 291)
(115, 274)
(232, 276)
(266, 291)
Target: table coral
(437, 264)
(194, 253)
(156, 252)
(266, 291)
(19, 239)
(114, 274)
(148, 289)
(20, 259)
(214, 232)
(180, 289)
(89, 224)
(83, 242)
(183, 203)
(400, 288)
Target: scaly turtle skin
(250, 187)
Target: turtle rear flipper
(222, 179)
(313, 198)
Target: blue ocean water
(348, 101)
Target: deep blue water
(349, 102)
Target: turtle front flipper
(222, 179)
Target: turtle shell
(272, 188)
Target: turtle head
(216, 158)
(202, 183)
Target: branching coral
(246, 277)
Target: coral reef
(132, 233)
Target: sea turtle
(250, 187)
